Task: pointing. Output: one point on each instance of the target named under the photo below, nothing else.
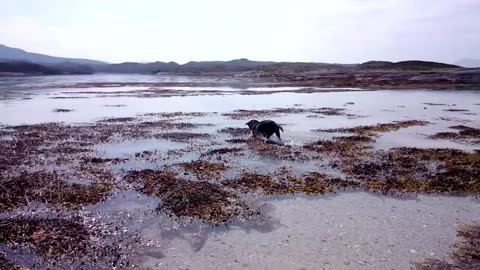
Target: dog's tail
(277, 132)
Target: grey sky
(342, 31)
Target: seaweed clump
(45, 187)
(465, 253)
(378, 128)
(166, 124)
(250, 182)
(468, 250)
(246, 114)
(464, 133)
(311, 183)
(6, 264)
(176, 114)
(345, 150)
(408, 170)
(344, 146)
(203, 169)
(50, 238)
(199, 199)
(183, 198)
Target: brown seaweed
(46, 237)
(464, 133)
(311, 183)
(203, 169)
(371, 130)
(45, 187)
(183, 198)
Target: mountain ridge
(16, 54)
(62, 65)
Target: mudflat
(160, 172)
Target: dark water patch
(182, 136)
(435, 104)
(456, 110)
(115, 105)
(223, 151)
(235, 132)
(236, 141)
(62, 110)
(68, 97)
(118, 120)
(97, 160)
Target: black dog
(265, 128)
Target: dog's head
(251, 124)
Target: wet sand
(346, 231)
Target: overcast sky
(341, 31)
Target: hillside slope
(14, 54)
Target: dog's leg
(277, 132)
(254, 133)
(266, 137)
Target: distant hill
(17, 60)
(299, 67)
(14, 54)
(242, 64)
(469, 63)
(405, 65)
(131, 67)
(27, 68)
(172, 67)
(72, 68)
